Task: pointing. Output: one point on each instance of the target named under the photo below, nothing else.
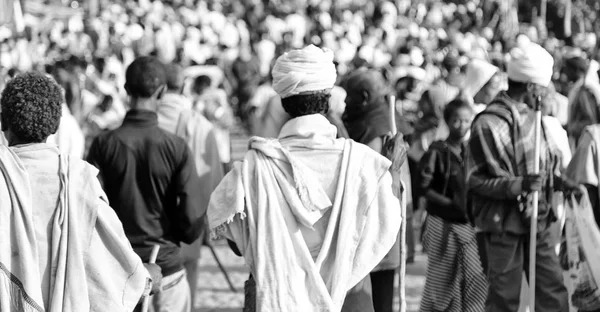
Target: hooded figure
(481, 83)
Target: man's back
(59, 202)
(150, 179)
(42, 165)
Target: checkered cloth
(502, 148)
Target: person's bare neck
(13, 140)
(516, 95)
(143, 104)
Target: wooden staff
(535, 198)
(393, 114)
(402, 269)
(153, 256)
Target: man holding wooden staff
(501, 179)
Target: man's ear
(366, 97)
(158, 94)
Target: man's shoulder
(496, 114)
(368, 159)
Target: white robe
(90, 265)
(309, 226)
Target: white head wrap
(530, 63)
(308, 69)
(478, 73)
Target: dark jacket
(500, 152)
(442, 170)
(150, 179)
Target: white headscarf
(308, 69)
(530, 63)
(478, 73)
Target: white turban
(530, 63)
(308, 69)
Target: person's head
(482, 82)
(574, 69)
(365, 87)
(200, 84)
(303, 79)
(175, 78)
(451, 62)
(529, 72)
(489, 91)
(145, 80)
(458, 115)
(404, 86)
(31, 107)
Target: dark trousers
(507, 258)
(382, 283)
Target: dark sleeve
(482, 156)
(593, 196)
(427, 168)
(234, 248)
(93, 158)
(586, 113)
(190, 211)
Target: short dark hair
(144, 76)
(454, 106)
(306, 104)
(174, 73)
(32, 106)
(517, 85)
(577, 64)
(200, 83)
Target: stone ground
(213, 293)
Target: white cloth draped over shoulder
(93, 267)
(69, 138)
(269, 200)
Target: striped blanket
(454, 280)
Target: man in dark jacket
(501, 178)
(151, 181)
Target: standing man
(500, 179)
(62, 248)
(150, 179)
(175, 115)
(584, 98)
(311, 214)
(367, 121)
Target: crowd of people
(148, 93)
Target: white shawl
(93, 265)
(262, 202)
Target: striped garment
(454, 280)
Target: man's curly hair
(31, 106)
(306, 104)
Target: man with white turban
(500, 179)
(311, 214)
